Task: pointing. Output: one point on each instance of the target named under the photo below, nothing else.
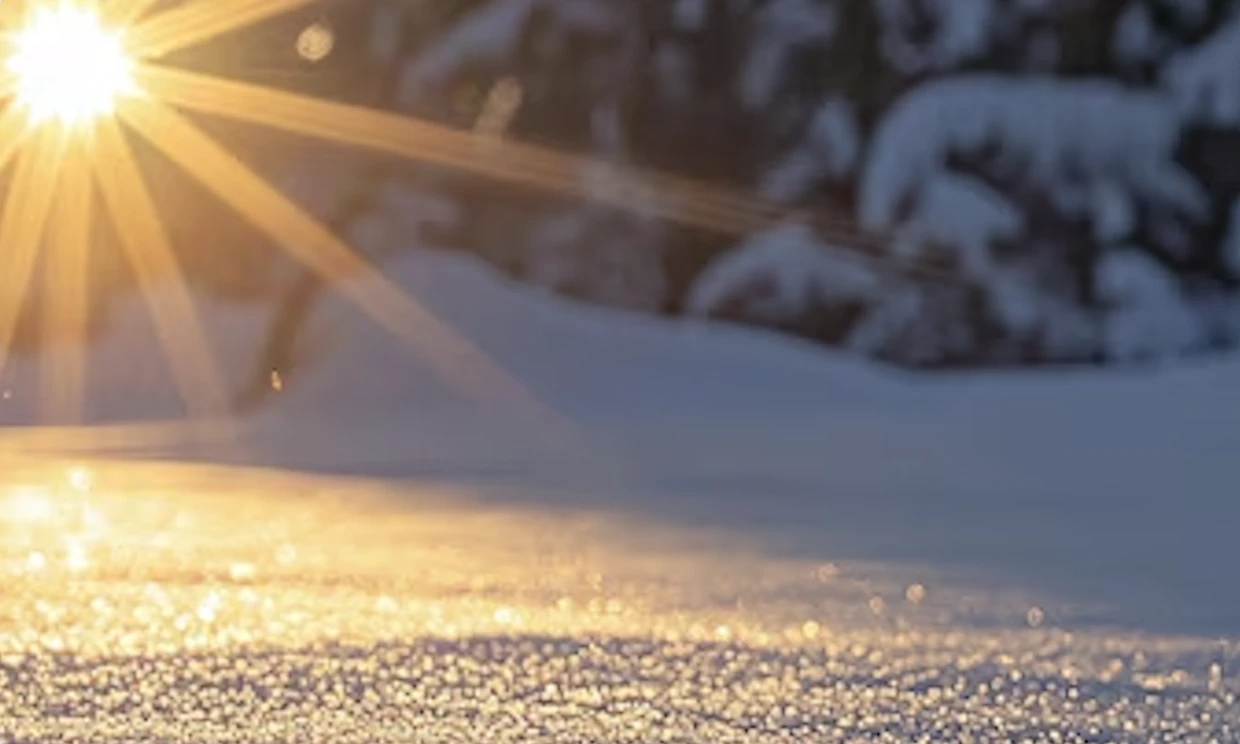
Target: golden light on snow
(27, 504)
(76, 555)
(243, 606)
(79, 478)
(68, 66)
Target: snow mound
(735, 399)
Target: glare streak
(319, 249)
(196, 22)
(159, 275)
(67, 298)
(570, 175)
(21, 228)
(658, 195)
(14, 134)
(122, 13)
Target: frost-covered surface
(200, 603)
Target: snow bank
(1115, 483)
(740, 401)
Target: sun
(68, 66)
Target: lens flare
(68, 66)
(100, 72)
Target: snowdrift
(1118, 485)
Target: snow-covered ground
(686, 532)
(1113, 490)
(156, 602)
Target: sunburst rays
(158, 274)
(51, 206)
(65, 278)
(31, 194)
(61, 167)
(657, 194)
(197, 21)
(312, 244)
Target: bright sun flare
(80, 79)
(68, 66)
(80, 64)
